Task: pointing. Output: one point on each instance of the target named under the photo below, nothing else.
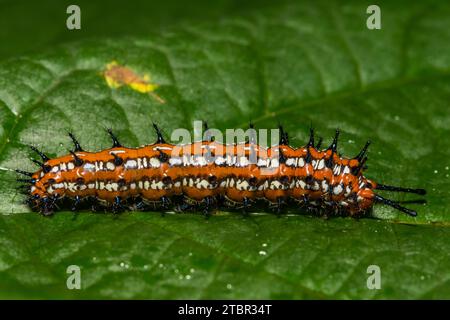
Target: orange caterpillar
(209, 175)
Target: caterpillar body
(207, 175)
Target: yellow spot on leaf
(117, 75)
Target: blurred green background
(31, 26)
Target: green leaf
(292, 63)
(30, 26)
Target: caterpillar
(208, 175)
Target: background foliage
(294, 62)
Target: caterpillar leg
(165, 203)
(210, 205)
(117, 205)
(246, 203)
(76, 202)
(278, 206)
(46, 206)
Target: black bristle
(357, 170)
(333, 145)
(31, 181)
(163, 157)
(400, 189)
(159, 135)
(319, 143)
(308, 157)
(41, 154)
(207, 134)
(25, 173)
(329, 163)
(45, 168)
(282, 157)
(77, 160)
(76, 144)
(116, 143)
(311, 137)
(394, 205)
(363, 151)
(252, 137)
(117, 160)
(284, 140)
(208, 155)
(40, 164)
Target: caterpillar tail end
(395, 205)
